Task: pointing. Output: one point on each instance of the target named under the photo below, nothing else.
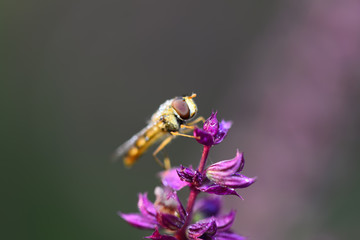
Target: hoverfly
(169, 121)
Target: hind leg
(166, 164)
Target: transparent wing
(124, 148)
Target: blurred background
(81, 77)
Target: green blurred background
(81, 77)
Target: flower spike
(200, 220)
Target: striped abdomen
(142, 142)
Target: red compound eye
(181, 108)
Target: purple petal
(185, 174)
(138, 220)
(170, 178)
(169, 221)
(223, 130)
(206, 226)
(146, 207)
(229, 236)
(211, 124)
(235, 181)
(167, 201)
(165, 198)
(208, 206)
(212, 132)
(203, 137)
(224, 223)
(157, 236)
(226, 167)
(218, 190)
(180, 208)
(190, 176)
(198, 178)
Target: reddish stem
(181, 234)
(203, 158)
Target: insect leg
(181, 134)
(191, 124)
(186, 126)
(166, 163)
(199, 119)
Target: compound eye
(181, 108)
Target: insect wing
(124, 148)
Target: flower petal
(186, 174)
(157, 236)
(212, 132)
(207, 206)
(235, 181)
(170, 178)
(229, 236)
(167, 201)
(223, 130)
(180, 209)
(138, 220)
(211, 124)
(224, 223)
(218, 190)
(206, 226)
(226, 167)
(203, 137)
(169, 221)
(146, 207)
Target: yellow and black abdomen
(142, 142)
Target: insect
(169, 121)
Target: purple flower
(214, 228)
(221, 178)
(213, 132)
(177, 178)
(200, 221)
(203, 229)
(190, 176)
(167, 212)
(146, 219)
(229, 236)
(224, 176)
(170, 178)
(170, 212)
(207, 207)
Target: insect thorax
(171, 123)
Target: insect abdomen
(143, 142)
